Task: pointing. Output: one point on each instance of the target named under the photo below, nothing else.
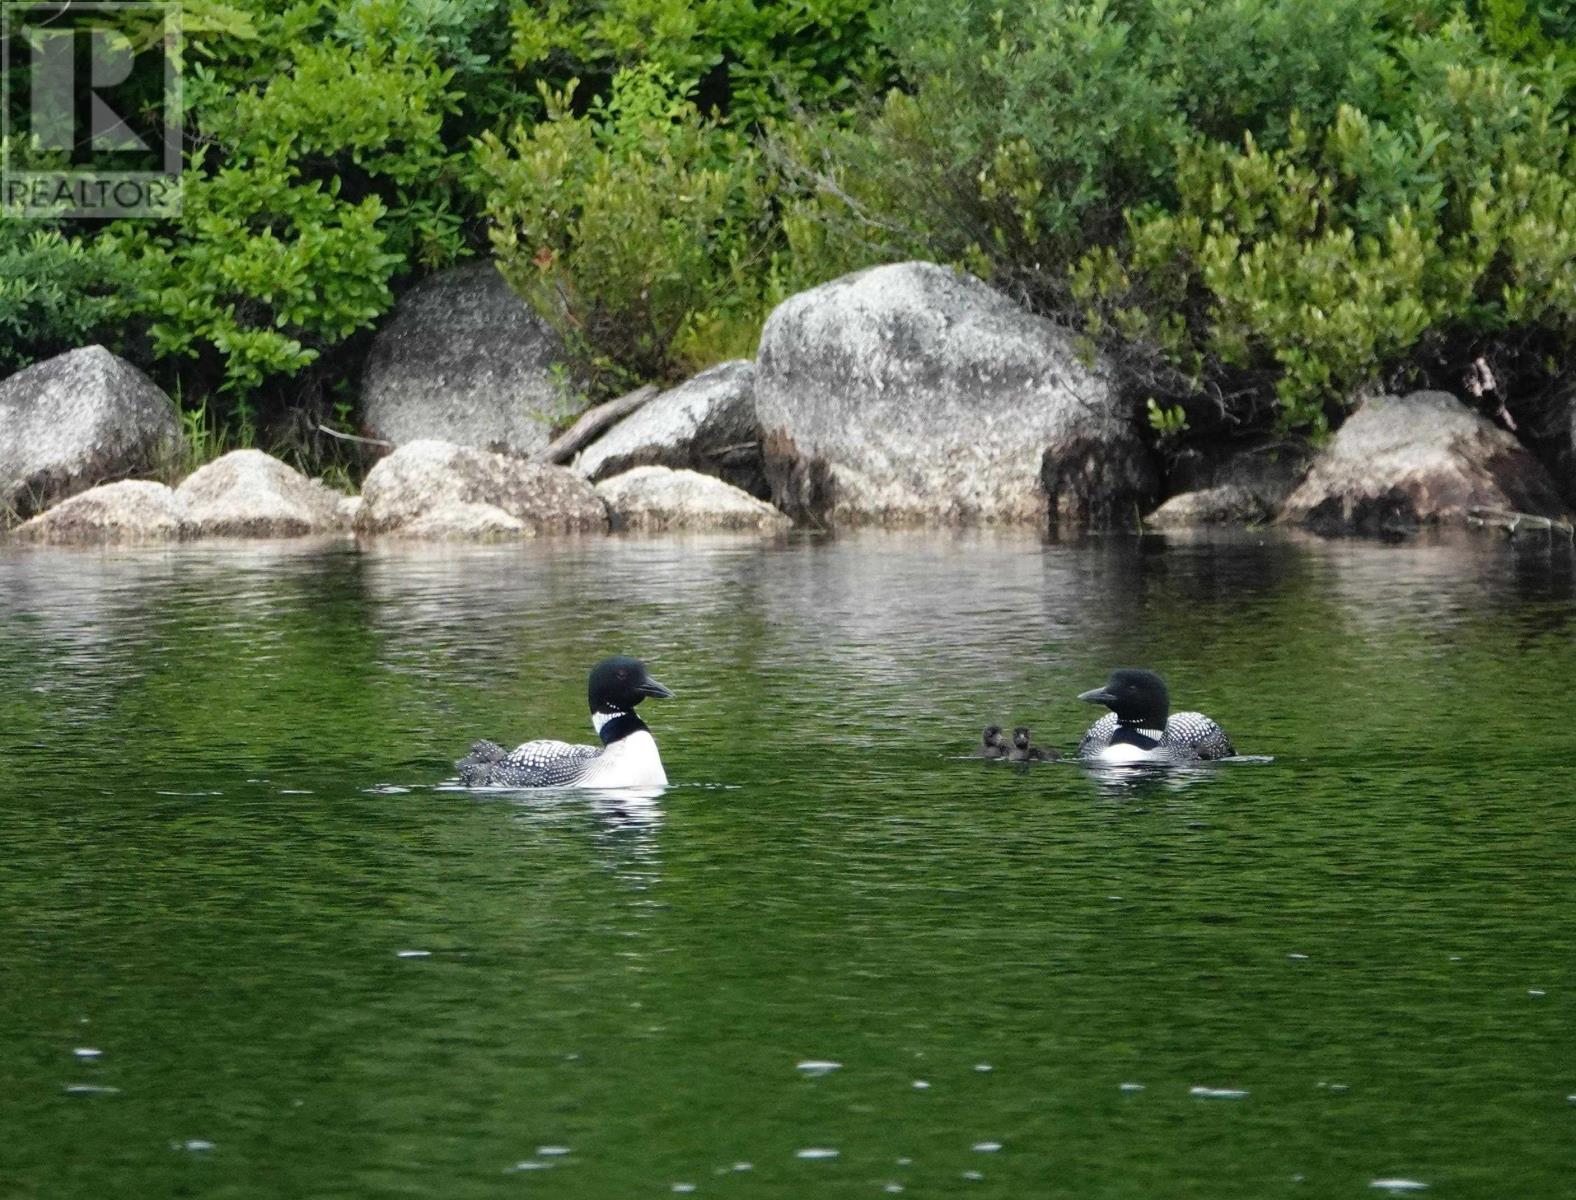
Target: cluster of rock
(911, 394)
(71, 421)
(428, 489)
(1397, 463)
(244, 494)
(907, 394)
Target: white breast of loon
(1118, 753)
(631, 761)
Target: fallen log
(591, 423)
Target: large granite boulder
(707, 424)
(660, 498)
(465, 359)
(249, 494)
(405, 492)
(911, 394)
(76, 420)
(1403, 461)
(133, 510)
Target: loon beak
(1097, 696)
(650, 687)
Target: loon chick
(627, 756)
(1140, 728)
(991, 745)
(1023, 751)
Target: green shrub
(321, 173)
(1025, 131)
(630, 228)
(56, 292)
(1332, 263)
(1028, 130)
(750, 61)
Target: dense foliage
(1412, 236)
(637, 229)
(1258, 207)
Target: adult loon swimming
(1141, 728)
(626, 758)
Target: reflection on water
(253, 931)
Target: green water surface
(309, 968)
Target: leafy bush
(1026, 129)
(1340, 258)
(56, 292)
(749, 61)
(1029, 129)
(330, 156)
(631, 227)
(321, 173)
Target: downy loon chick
(627, 756)
(1024, 751)
(991, 744)
(1140, 728)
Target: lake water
(252, 946)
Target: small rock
(1230, 504)
(1237, 486)
(1520, 525)
(249, 494)
(1404, 461)
(707, 424)
(76, 420)
(652, 499)
(130, 511)
(438, 480)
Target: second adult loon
(626, 758)
(1141, 728)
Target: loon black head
(617, 684)
(1136, 697)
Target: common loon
(991, 745)
(626, 758)
(1024, 751)
(1140, 728)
